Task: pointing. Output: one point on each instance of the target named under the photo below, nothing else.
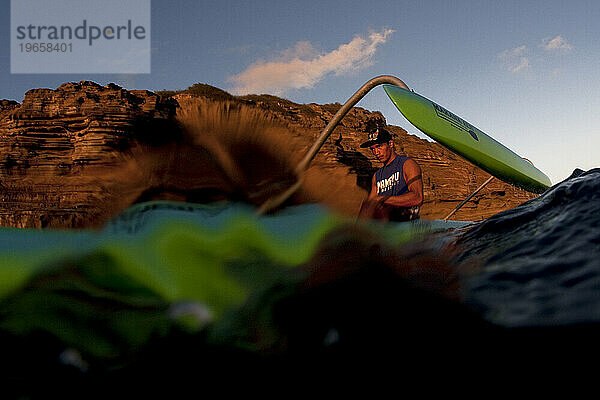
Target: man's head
(381, 144)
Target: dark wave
(539, 262)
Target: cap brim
(368, 144)
(372, 142)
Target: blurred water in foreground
(173, 287)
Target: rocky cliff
(79, 154)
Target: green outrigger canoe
(467, 141)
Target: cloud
(515, 60)
(523, 64)
(303, 67)
(556, 44)
(519, 59)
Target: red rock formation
(53, 143)
(75, 156)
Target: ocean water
(539, 263)
(169, 289)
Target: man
(397, 187)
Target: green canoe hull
(466, 140)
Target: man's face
(382, 151)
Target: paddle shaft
(484, 184)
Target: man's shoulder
(411, 167)
(401, 159)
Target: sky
(524, 72)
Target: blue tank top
(389, 179)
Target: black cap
(376, 137)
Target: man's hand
(375, 208)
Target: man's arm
(414, 196)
